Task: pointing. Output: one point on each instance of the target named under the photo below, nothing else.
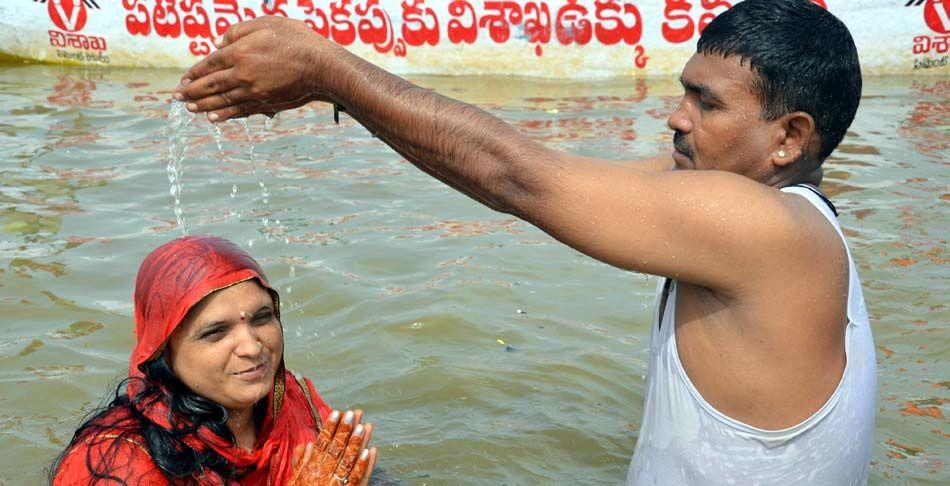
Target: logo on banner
(937, 16)
(69, 15)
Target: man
(762, 368)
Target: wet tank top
(685, 441)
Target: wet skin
(763, 277)
(228, 349)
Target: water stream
(178, 120)
(402, 287)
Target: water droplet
(216, 131)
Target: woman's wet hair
(122, 421)
(804, 59)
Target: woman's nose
(249, 344)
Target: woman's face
(228, 347)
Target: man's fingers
(218, 101)
(364, 468)
(216, 61)
(217, 82)
(239, 30)
(240, 110)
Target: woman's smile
(253, 373)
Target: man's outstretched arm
(714, 229)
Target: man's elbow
(525, 181)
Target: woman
(208, 400)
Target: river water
(484, 351)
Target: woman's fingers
(367, 433)
(329, 428)
(353, 449)
(302, 455)
(331, 457)
(298, 454)
(307, 454)
(364, 468)
(342, 436)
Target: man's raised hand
(265, 65)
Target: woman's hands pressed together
(339, 456)
(265, 65)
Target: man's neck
(791, 177)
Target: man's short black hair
(803, 56)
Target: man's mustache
(679, 143)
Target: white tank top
(685, 441)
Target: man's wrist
(327, 69)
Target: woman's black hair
(122, 420)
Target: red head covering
(172, 279)
(175, 277)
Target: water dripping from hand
(178, 120)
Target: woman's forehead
(246, 296)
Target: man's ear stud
(781, 153)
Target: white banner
(546, 38)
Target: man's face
(718, 124)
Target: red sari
(172, 279)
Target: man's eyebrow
(701, 89)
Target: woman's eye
(264, 317)
(211, 334)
